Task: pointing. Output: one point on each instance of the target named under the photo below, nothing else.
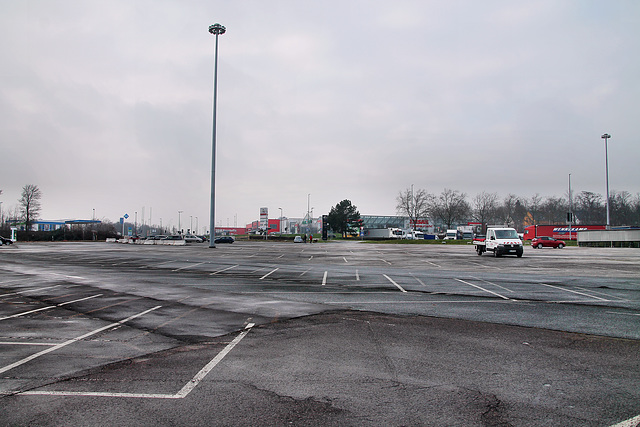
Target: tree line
(452, 207)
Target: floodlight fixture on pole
(215, 29)
(606, 137)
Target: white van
(451, 235)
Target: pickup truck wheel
(479, 251)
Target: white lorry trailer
(383, 233)
(500, 241)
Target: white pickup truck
(500, 241)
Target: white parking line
(78, 300)
(631, 422)
(225, 269)
(623, 314)
(419, 281)
(46, 308)
(212, 364)
(494, 284)
(483, 289)
(345, 259)
(357, 276)
(269, 273)
(305, 272)
(575, 292)
(189, 266)
(27, 343)
(324, 278)
(29, 290)
(391, 280)
(73, 340)
(181, 394)
(24, 313)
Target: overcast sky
(107, 105)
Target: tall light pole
(179, 226)
(215, 29)
(570, 215)
(280, 220)
(308, 212)
(606, 137)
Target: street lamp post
(179, 226)
(570, 215)
(606, 137)
(280, 220)
(215, 29)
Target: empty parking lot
(81, 323)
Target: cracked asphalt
(327, 334)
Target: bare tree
(554, 210)
(451, 207)
(621, 208)
(590, 208)
(534, 206)
(414, 204)
(30, 204)
(484, 207)
(507, 212)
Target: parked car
(193, 239)
(547, 242)
(5, 241)
(297, 239)
(173, 237)
(224, 239)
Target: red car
(547, 242)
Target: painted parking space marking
(481, 288)
(324, 278)
(48, 344)
(74, 340)
(225, 269)
(181, 394)
(305, 272)
(189, 266)
(28, 290)
(623, 314)
(392, 281)
(25, 313)
(574, 292)
(419, 281)
(494, 284)
(631, 422)
(270, 273)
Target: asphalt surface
(262, 333)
